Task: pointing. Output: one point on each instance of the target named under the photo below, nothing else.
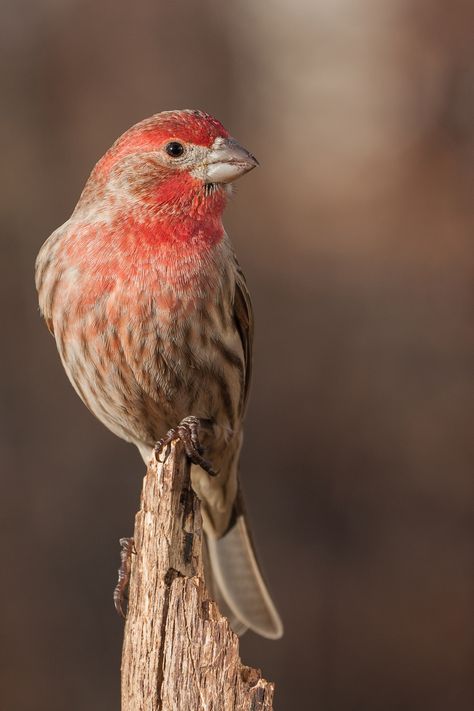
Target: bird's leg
(188, 432)
(127, 546)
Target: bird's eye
(174, 149)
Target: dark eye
(174, 149)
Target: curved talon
(127, 549)
(164, 445)
(188, 432)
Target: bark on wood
(179, 653)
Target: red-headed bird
(153, 322)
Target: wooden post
(179, 653)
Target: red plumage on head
(169, 204)
(188, 125)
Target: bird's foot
(127, 546)
(188, 432)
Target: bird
(153, 321)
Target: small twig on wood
(179, 653)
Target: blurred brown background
(356, 237)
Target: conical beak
(227, 160)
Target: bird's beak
(227, 160)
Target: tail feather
(239, 582)
(213, 589)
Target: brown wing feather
(49, 323)
(243, 315)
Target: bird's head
(171, 163)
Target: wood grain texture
(179, 653)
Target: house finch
(153, 322)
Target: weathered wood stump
(179, 653)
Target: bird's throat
(180, 212)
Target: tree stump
(179, 653)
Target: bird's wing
(47, 274)
(243, 316)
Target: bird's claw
(127, 546)
(188, 432)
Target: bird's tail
(234, 578)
